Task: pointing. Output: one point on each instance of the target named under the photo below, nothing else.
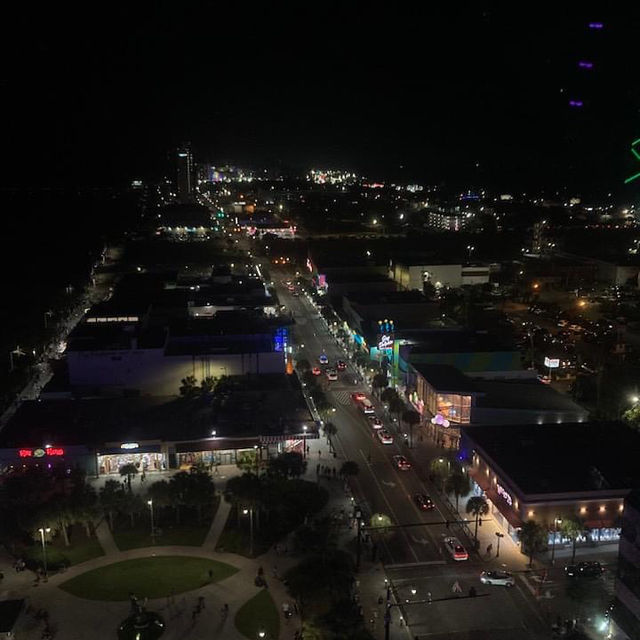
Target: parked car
(499, 578)
(590, 569)
(401, 463)
(424, 502)
(455, 548)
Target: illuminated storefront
(143, 456)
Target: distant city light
(575, 103)
(585, 64)
(596, 25)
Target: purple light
(595, 25)
(584, 64)
(575, 103)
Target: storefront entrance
(147, 462)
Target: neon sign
(40, 453)
(637, 156)
(385, 342)
(129, 445)
(504, 494)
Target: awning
(217, 444)
(274, 439)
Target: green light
(637, 155)
(632, 178)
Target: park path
(105, 538)
(217, 525)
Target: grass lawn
(235, 537)
(259, 614)
(147, 577)
(81, 550)
(188, 533)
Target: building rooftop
(516, 394)
(455, 340)
(445, 378)
(249, 406)
(561, 458)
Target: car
(544, 379)
(563, 322)
(385, 437)
(341, 365)
(499, 578)
(376, 423)
(455, 548)
(590, 569)
(401, 463)
(291, 288)
(332, 374)
(424, 502)
(316, 371)
(323, 358)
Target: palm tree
(379, 381)
(349, 468)
(572, 529)
(388, 395)
(397, 405)
(330, 430)
(303, 365)
(112, 496)
(459, 484)
(207, 385)
(188, 387)
(533, 538)
(477, 506)
(412, 418)
(161, 494)
(128, 470)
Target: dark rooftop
(454, 340)
(559, 458)
(387, 297)
(445, 378)
(518, 394)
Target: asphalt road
(415, 556)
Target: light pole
(47, 314)
(304, 440)
(470, 248)
(499, 536)
(42, 531)
(18, 352)
(250, 513)
(150, 503)
(262, 634)
(556, 522)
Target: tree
(412, 418)
(459, 484)
(330, 430)
(287, 465)
(388, 395)
(132, 506)
(379, 381)
(188, 387)
(439, 471)
(477, 506)
(303, 365)
(533, 538)
(128, 470)
(112, 496)
(207, 385)
(349, 468)
(632, 416)
(572, 529)
(161, 494)
(321, 401)
(309, 379)
(397, 405)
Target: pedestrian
(489, 548)
(210, 575)
(201, 602)
(295, 607)
(319, 452)
(318, 469)
(193, 615)
(308, 449)
(333, 470)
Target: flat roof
(456, 340)
(444, 377)
(270, 404)
(561, 458)
(386, 297)
(516, 394)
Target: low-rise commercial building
(553, 472)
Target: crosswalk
(343, 397)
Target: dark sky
(100, 94)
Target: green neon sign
(635, 152)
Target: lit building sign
(41, 453)
(385, 342)
(552, 363)
(504, 494)
(129, 445)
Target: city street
(414, 556)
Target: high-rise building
(184, 172)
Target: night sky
(415, 93)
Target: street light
(150, 503)
(556, 522)
(262, 634)
(42, 531)
(470, 248)
(499, 536)
(304, 441)
(250, 513)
